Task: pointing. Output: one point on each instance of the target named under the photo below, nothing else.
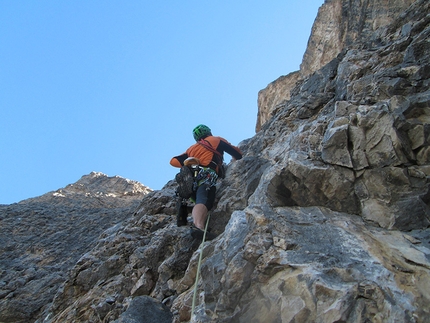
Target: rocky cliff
(325, 219)
(43, 237)
(338, 25)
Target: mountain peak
(98, 184)
(95, 188)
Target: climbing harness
(205, 175)
(198, 266)
(190, 178)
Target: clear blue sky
(117, 86)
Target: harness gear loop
(198, 266)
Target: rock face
(275, 95)
(41, 238)
(338, 25)
(325, 219)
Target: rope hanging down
(198, 267)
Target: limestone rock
(335, 146)
(325, 219)
(365, 126)
(274, 96)
(332, 270)
(338, 25)
(43, 237)
(144, 309)
(341, 23)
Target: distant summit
(99, 184)
(109, 191)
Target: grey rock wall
(43, 237)
(325, 219)
(338, 25)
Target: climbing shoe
(181, 215)
(197, 233)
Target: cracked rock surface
(325, 219)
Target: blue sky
(117, 86)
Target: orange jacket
(208, 158)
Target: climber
(208, 151)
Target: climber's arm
(178, 161)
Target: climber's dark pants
(205, 196)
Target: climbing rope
(198, 267)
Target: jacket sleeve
(230, 149)
(178, 161)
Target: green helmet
(201, 131)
